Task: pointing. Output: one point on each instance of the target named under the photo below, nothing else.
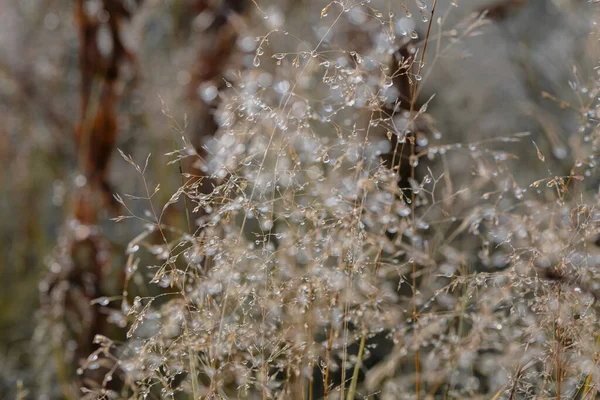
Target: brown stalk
(83, 254)
(214, 55)
(327, 362)
(412, 174)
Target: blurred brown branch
(84, 253)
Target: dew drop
(413, 161)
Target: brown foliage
(214, 55)
(84, 254)
(96, 132)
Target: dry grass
(330, 240)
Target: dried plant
(336, 256)
(81, 262)
(333, 235)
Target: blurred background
(81, 78)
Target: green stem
(352, 389)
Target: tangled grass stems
(339, 254)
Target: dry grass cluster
(331, 238)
